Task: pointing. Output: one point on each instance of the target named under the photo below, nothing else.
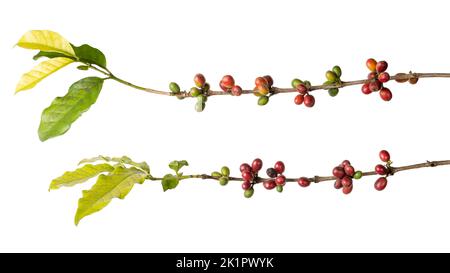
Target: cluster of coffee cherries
(263, 88)
(376, 78)
(227, 84)
(333, 77)
(278, 180)
(304, 97)
(223, 176)
(380, 169)
(345, 173)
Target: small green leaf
(177, 165)
(117, 184)
(80, 175)
(82, 67)
(91, 55)
(122, 160)
(57, 118)
(169, 182)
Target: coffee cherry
(295, 83)
(216, 174)
(199, 80)
(346, 181)
(345, 163)
(279, 167)
(299, 99)
(413, 80)
(236, 90)
(245, 168)
(301, 88)
(375, 85)
(371, 64)
(303, 182)
(385, 94)
(381, 66)
(195, 92)
(227, 81)
(402, 79)
(261, 81)
(271, 173)
(223, 181)
(262, 89)
(380, 169)
(247, 176)
(199, 106)
(269, 184)
(263, 100)
(333, 92)
(349, 170)
(380, 183)
(331, 76)
(309, 100)
(225, 171)
(347, 190)
(338, 172)
(358, 175)
(279, 188)
(174, 87)
(246, 185)
(384, 77)
(384, 156)
(280, 180)
(338, 184)
(366, 89)
(337, 70)
(249, 193)
(257, 165)
(372, 75)
(269, 80)
(223, 87)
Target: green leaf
(57, 118)
(169, 182)
(117, 184)
(91, 55)
(80, 175)
(50, 55)
(176, 165)
(122, 160)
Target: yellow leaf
(41, 71)
(46, 40)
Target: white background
(153, 43)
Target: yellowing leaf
(46, 40)
(80, 175)
(40, 72)
(117, 184)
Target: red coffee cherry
(298, 99)
(380, 169)
(279, 167)
(345, 162)
(381, 66)
(384, 77)
(347, 190)
(372, 75)
(303, 182)
(269, 80)
(366, 89)
(280, 180)
(261, 81)
(247, 176)
(371, 65)
(346, 181)
(375, 85)
(384, 156)
(246, 185)
(339, 172)
(301, 88)
(269, 184)
(227, 81)
(385, 94)
(257, 165)
(199, 80)
(309, 100)
(245, 168)
(380, 183)
(349, 170)
(236, 90)
(338, 184)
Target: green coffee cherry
(216, 174)
(328, 83)
(223, 181)
(199, 106)
(225, 171)
(333, 92)
(263, 100)
(206, 87)
(337, 70)
(195, 92)
(279, 188)
(174, 87)
(249, 193)
(331, 76)
(307, 84)
(295, 82)
(357, 175)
